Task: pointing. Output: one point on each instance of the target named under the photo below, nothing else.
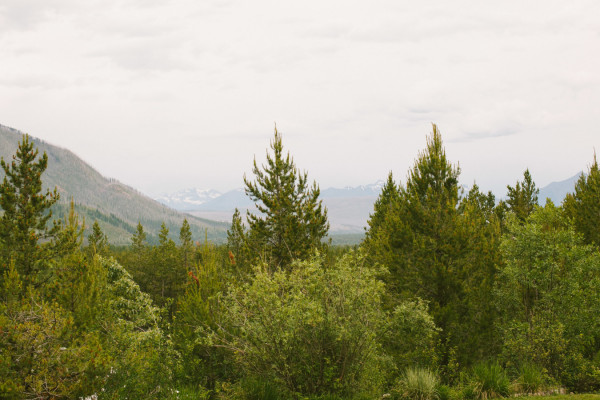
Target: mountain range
(348, 208)
(117, 207)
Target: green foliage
(291, 221)
(187, 245)
(547, 296)
(200, 308)
(97, 241)
(418, 384)
(442, 249)
(489, 381)
(238, 246)
(26, 209)
(312, 330)
(583, 206)
(142, 357)
(531, 378)
(388, 197)
(47, 358)
(259, 389)
(410, 336)
(523, 198)
(138, 240)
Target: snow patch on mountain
(188, 199)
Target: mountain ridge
(94, 193)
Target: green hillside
(116, 206)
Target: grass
(419, 384)
(487, 381)
(531, 379)
(563, 397)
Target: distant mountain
(116, 206)
(228, 201)
(556, 191)
(348, 208)
(188, 199)
(371, 190)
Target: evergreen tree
(583, 206)
(441, 249)
(26, 209)
(97, 241)
(165, 276)
(292, 221)
(237, 245)
(387, 199)
(187, 245)
(138, 240)
(70, 236)
(523, 198)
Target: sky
(171, 94)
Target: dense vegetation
(451, 295)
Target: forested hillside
(450, 295)
(117, 207)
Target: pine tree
(70, 237)
(26, 209)
(387, 199)
(292, 221)
(138, 240)
(583, 206)
(439, 247)
(187, 245)
(238, 246)
(97, 241)
(523, 198)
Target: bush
(489, 380)
(418, 384)
(312, 331)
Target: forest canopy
(451, 294)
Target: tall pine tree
(442, 249)
(291, 220)
(23, 226)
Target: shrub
(312, 330)
(489, 380)
(418, 384)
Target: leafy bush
(489, 380)
(312, 330)
(547, 298)
(411, 335)
(418, 384)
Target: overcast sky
(169, 94)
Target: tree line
(450, 295)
